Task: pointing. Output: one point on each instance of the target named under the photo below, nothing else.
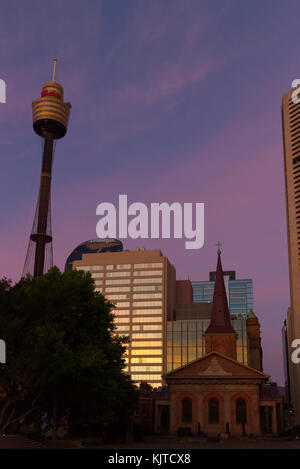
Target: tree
(62, 353)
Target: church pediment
(215, 365)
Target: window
(241, 411)
(147, 280)
(187, 410)
(147, 303)
(213, 410)
(140, 296)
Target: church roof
(220, 317)
(216, 365)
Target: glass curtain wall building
(239, 293)
(186, 341)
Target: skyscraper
(291, 147)
(142, 284)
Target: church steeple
(220, 336)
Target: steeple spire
(220, 336)
(220, 316)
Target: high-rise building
(291, 146)
(142, 284)
(239, 292)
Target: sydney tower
(50, 121)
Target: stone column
(200, 417)
(274, 420)
(173, 414)
(227, 413)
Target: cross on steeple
(219, 245)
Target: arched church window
(213, 410)
(187, 410)
(241, 411)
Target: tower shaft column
(44, 199)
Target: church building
(216, 394)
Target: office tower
(142, 285)
(50, 121)
(291, 146)
(239, 292)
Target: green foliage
(61, 350)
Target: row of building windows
(152, 311)
(141, 273)
(140, 368)
(147, 303)
(147, 335)
(147, 280)
(153, 343)
(145, 352)
(148, 319)
(126, 281)
(214, 411)
(146, 360)
(145, 377)
(147, 266)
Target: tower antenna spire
(54, 68)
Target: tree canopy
(62, 353)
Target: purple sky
(172, 101)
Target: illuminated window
(146, 368)
(147, 303)
(152, 327)
(147, 360)
(148, 288)
(147, 335)
(89, 267)
(147, 319)
(152, 351)
(121, 281)
(156, 343)
(97, 275)
(122, 328)
(147, 266)
(145, 377)
(121, 304)
(147, 295)
(147, 311)
(116, 289)
(118, 274)
(120, 312)
(118, 297)
(121, 320)
(147, 280)
(118, 266)
(142, 273)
